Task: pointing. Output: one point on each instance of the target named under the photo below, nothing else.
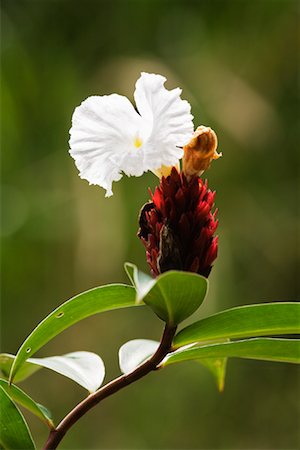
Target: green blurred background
(236, 62)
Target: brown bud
(200, 151)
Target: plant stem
(112, 387)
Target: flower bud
(200, 151)
(177, 227)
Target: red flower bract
(177, 227)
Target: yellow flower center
(138, 142)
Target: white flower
(109, 137)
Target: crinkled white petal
(167, 121)
(108, 137)
(101, 139)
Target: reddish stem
(114, 386)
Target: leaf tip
(221, 385)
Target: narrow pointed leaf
(173, 296)
(267, 349)
(135, 352)
(104, 298)
(264, 319)
(217, 367)
(14, 432)
(20, 397)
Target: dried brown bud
(200, 151)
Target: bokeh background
(236, 62)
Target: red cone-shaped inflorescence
(177, 227)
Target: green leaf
(173, 296)
(217, 367)
(100, 299)
(176, 295)
(135, 352)
(264, 319)
(267, 349)
(20, 397)
(27, 369)
(14, 432)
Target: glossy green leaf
(267, 349)
(176, 295)
(104, 298)
(14, 432)
(264, 319)
(20, 397)
(135, 352)
(173, 296)
(27, 369)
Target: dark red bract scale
(177, 227)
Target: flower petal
(167, 121)
(101, 137)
